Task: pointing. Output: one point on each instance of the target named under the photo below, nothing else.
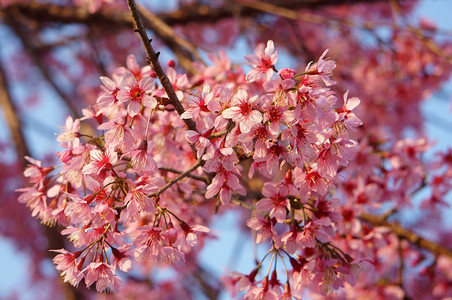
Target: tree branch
(395, 228)
(52, 13)
(171, 170)
(183, 49)
(408, 235)
(178, 178)
(106, 17)
(153, 59)
(205, 14)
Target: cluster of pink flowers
(145, 188)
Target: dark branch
(153, 60)
(184, 50)
(197, 13)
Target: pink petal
(134, 108)
(352, 103)
(231, 112)
(265, 204)
(110, 84)
(149, 101)
(128, 80)
(192, 136)
(270, 49)
(147, 83)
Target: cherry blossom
(136, 93)
(142, 190)
(242, 111)
(263, 63)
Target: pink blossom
(78, 210)
(141, 159)
(136, 92)
(290, 240)
(357, 267)
(109, 97)
(286, 73)
(122, 258)
(179, 82)
(242, 111)
(151, 243)
(323, 68)
(66, 263)
(201, 142)
(35, 172)
(103, 275)
(276, 116)
(263, 292)
(263, 226)
(192, 232)
(263, 63)
(275, 202)
(311, 181)
(244, 281)
(79, 235)
(351, 120)
(118, 135)
(100, 161)
(204, 102)
(71, 131)
(280, 91)
(223, 183)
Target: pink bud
(171, 234)
(171, 63)
(286, 73)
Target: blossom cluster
(145, 187)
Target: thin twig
(243, 204)
(199, 178)
(202, 13)
(178, 178)
(401, 264)
(153, 59)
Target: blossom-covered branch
(283, 137)
(408, 235)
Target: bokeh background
(233, 250)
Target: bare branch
(48, 12)
(153, 60)
(178, 178)
(171, 170)
(197, 13)
(184, 50)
